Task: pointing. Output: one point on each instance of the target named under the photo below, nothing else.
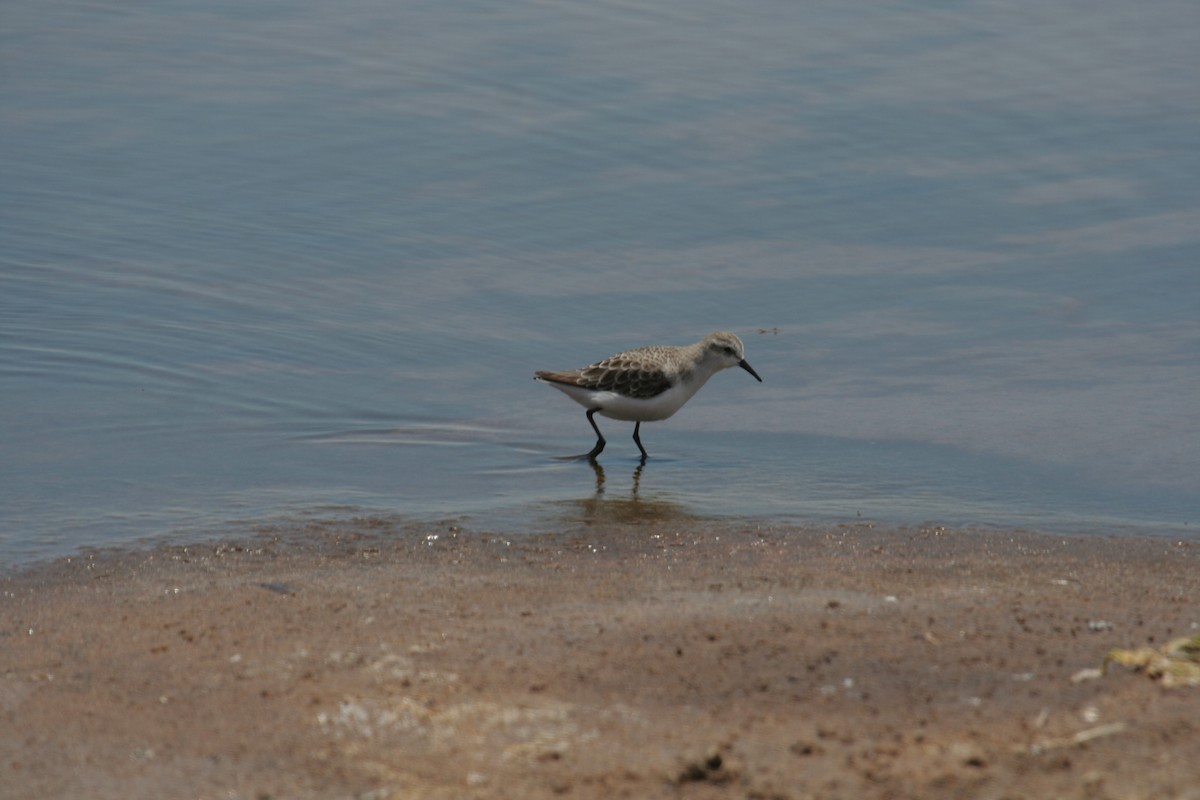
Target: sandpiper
(647, 383)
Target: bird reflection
(600, 508)
(637, 477)
(599, 470)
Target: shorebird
(646, 384)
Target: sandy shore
(649, 659)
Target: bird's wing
(636, 373)
(626, 374)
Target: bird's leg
(638, 441)
(599, 448)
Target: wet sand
(658, 658)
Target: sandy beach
(641, 659)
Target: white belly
(616, 406)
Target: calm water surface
(298, 259)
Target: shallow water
(300, 259)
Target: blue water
(293, 260)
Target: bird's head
(725, 349)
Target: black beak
(749, 369)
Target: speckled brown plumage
(627, 373)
